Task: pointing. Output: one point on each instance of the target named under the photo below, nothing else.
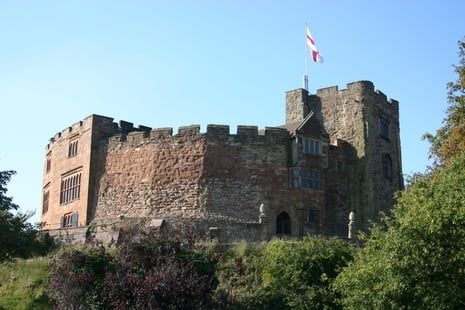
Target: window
(313, 217)
(307, 179)
(387, 166)
(73, 147)
(45, 199)
(384, 127)
(283, 224)
(70, 188)
(311, 146)
(48, 163)
(67, 220)
(214, 233)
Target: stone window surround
(70, 189)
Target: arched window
(283, 224)
(387, 166)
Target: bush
(300, 273)
(282, 274)
(156, 271)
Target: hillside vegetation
(22, 284)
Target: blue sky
(177, 63)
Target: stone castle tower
(365, 125)
(339, 151)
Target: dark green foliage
(155, 271)
(417, 261)
(18, 238)
(283, 274)
(301, 272)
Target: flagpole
(305, 80)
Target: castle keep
(339, 151)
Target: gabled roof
(297, 126)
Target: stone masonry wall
(216, 177)
(244, 171)
(61, 164)
(151, 174)
(353, 115)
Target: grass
(22, 284)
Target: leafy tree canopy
(18, 238)
(449, 139)
(417, 260)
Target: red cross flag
(312, 46)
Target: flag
(312, 46)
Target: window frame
(48, 162)
(68, 220)
(313, 214)
(45, 200)
(307, 179)
(70, 189)
(73, 146)
(311, 146)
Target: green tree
(449, 140)
(301, 272)
(18, 238)
(416, 261)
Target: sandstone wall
(151, 174)
(61, 165)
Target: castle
(339, 151)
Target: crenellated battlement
(214, 133)
(70, 131)
(360, 88)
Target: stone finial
(351, 232)
(262, 210)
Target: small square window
(67, 220)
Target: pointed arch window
(283, 224)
